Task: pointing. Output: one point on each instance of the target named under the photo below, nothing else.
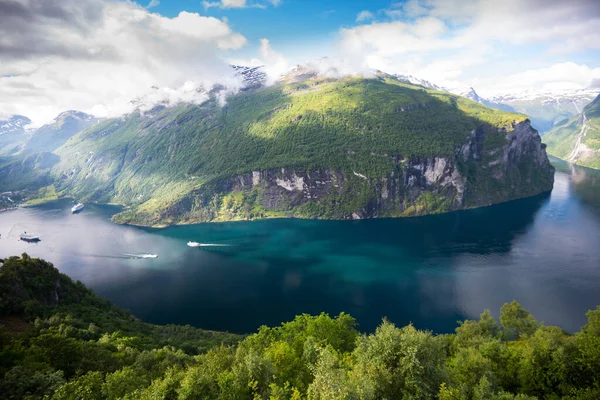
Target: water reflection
(431, 271)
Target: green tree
(331, 380)
(88, 386)
(123, 382)
(516, 321)
(400, 363)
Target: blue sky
(304, 29)
(98, 55)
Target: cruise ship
(77, 208)
(30, 237)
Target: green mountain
(307, 147)
(28, 158)
(58, 340)
(577, 139)
(51, 136)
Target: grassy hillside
(60, 341)
(564, 137)
(353, 124)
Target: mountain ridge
(309, 146)
(577, 139)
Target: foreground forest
(60, 341)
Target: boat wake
(196, 244)
(221, 248)
(140, 256)
(125, 256)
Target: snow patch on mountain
(14, 124)
(418, 81)
(547, 97)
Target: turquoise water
(431, 271)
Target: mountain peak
(418, 81)
(15, 123)
(251, 76)
(472, 95)
(80, 115)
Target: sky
(104, 56)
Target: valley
(577, 139)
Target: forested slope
(60, 341)
(307, 147)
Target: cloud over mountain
(441, 40)
(96, 55)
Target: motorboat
(30, 237)
(77, 208)
(196, 244)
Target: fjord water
(431, 271)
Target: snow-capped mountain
(577, 99)
(252, 76)
(14, 124)
(13, 133)
(418, 81)
(53, 135)
(192, 93)
(471, 94)
(546, 108)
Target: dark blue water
(432, 271)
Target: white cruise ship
(30, 237)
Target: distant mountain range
(577, 139)
(13, 133)
(51, 136)
(544, 108)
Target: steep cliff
(308, 146)
(492, 166)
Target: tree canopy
(61, 341)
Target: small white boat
(77, 208)
(30, 237)
(196, 244)
(149, 256)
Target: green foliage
(398, 363)
(81, 347)
(516, 321)
(153, 161)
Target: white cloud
(240, 4)
(364, 15)
(275, 63)
(100, 61)
(432, 37)
(561, 76)
(153, 3)
(225, 4)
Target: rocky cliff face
(492, 166)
